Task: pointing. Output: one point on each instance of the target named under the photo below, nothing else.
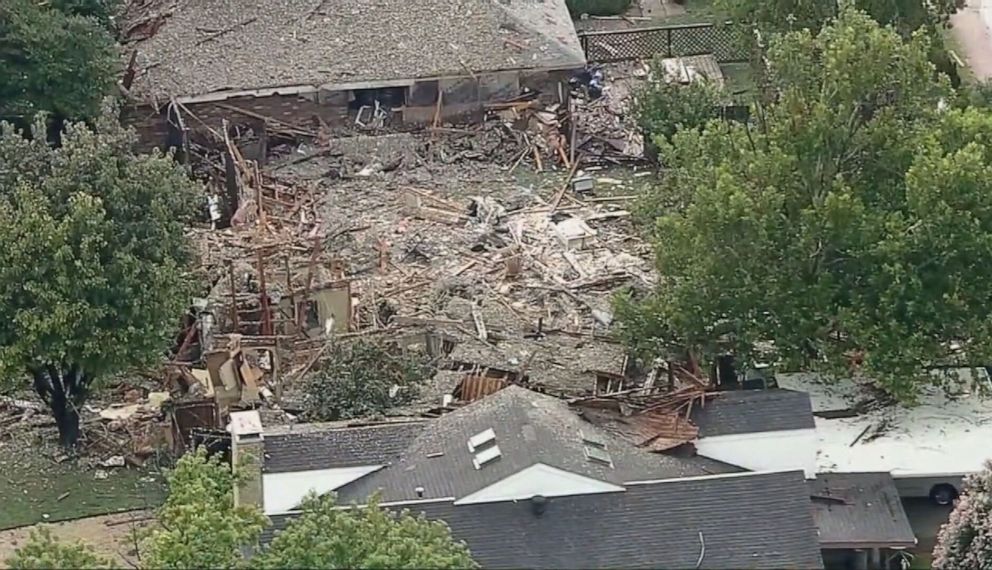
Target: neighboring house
(323, 457)
(861, 520)
(758, 430)
(300, 61)
(928, 448)
(748, 520)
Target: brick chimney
(247, 457)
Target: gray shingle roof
(753, 411)
(313, 42)
(755, 521)
(530, 428)
(859, 510)
(331, 447)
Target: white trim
(389, 504)
(714, 476)
(539, 479)
(756, 434)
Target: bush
(663, 108)
(597, 7)
(363, 379)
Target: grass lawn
(32, 484)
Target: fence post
(668, 37)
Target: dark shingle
(530, 428)
(314, 448)
(753, 411)
(859, 510)
(755, 521)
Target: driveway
(926, 519)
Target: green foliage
(52, 61)
(362, 379)
(662, 108)
(92, 256)
(597, 7)
(200, 526)
(906, 16)
(965, 541)
(325, 536)
(103, 11)
(44, 552)
(848, 224)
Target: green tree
(92, 260)
(965, 541)
(325, 536)
(847, 224)
(363, 378)
(199, 525)
(44, 552)
(51, 61)
(906, 16)
(664, 107)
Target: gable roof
(529, 428)
(309, 447)
(753, 411)
(753, 520)
(206, 46)
(859, 510)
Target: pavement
(973, 38)
(926, 518)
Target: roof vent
(591, 440)
(481, 440)
(598, 455)
(538, 504)
(485, 456)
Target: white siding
(765, 451)
(538, 479)
(284, 491)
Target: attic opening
(388, 97)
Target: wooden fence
(724, 41)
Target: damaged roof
(315, 446)
(753, 411)
(198, 47)
(756, 521)
(859, 510)
(529, 428)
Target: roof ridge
(564, 48)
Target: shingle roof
(313, 42)
(755, 521)
(530, 428)
(314, 447)
(753, 411)
(859, 510)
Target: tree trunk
(64, 388)
(67, 420)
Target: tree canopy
(44, 552)
(201, 528)
(846, 224)
(325, 536)
(965, 541)
(906, 16)
(61, 63)
(363, 378)
(199, 525)
(93, 258)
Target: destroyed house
(313, 62)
